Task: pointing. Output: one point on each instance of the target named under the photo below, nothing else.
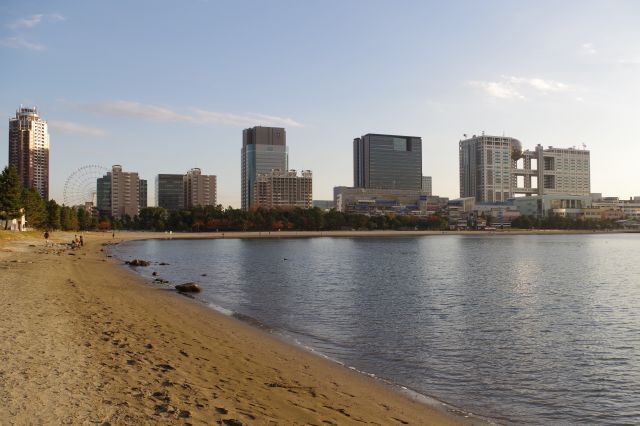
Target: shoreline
(151, 235)
(90, 341)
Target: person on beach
(113, 235)
(46, 238)
(81, 241)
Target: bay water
(536, 329)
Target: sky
(165, 86)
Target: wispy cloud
(194, 115)
(34, 20)
(243, 120)
(20, 43)
(588, 49)
(28, 22)
(76, 129)
(514, 88)
(136, 109)
(498, 89)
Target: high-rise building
(495, 168)
(387, 162)
(142, 190)
(29, 149)
(263, 149)
(103, 195)
(485, 167)
(199, 189)
(283, 189)
(121, 193)
(170, 191)
(427, 185)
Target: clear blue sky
(164, 86)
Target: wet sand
(84, 340)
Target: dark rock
(154, 273)
(188, 288)
(232, 422)
(204, 275)
(184, 414)
(163, 264)
(137, 262)
(221, 410)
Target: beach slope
(83, 340)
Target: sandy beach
(83, 340)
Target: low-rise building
(560, 204)
(374, 201)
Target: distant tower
(29, 149)
(199, 189)
(263, 149)
(121, 193)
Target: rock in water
(138, 262)
(188, 288)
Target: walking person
(81, 241)
(46, 238)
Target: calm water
(535, 329)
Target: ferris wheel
(80, 186)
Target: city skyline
(561, 84)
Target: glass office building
(263, 149)
(170, 191)
(387, 162)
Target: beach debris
(137, 262)
(232, 422)
(188, 288)
(165, 367)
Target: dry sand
(85, 341)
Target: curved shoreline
(88, 341)
(290, 340)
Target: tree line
(40, 214)
(217, 218)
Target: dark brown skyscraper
(29, 149)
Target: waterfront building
(495, 169)
(263, 149)
(121, 193)
(559, 204)
(29, 149)
(170, 191)
(199, 189)
(283, 189)
(376, 201)
(387, 162)
(486, 166)
(427, 185)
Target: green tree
(10, 195)
(35, 208)
(53, 215)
